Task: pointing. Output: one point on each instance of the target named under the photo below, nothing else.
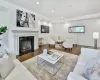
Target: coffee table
(48, 59)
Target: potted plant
(3, 29)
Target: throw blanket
(60, 73)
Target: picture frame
(44, 29)
(25, 19)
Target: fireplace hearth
(26, 45)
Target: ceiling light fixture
(62, 17)
(45, 23)
(50, 24)
(67, 24)
(37, 3)
(52, 10)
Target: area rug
(51, 68)
(43, 72)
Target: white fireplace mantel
(25, 29)
(22, 33)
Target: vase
(45, 52)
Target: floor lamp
(95, 37)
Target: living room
(68, 28)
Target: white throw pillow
(6, 65)
(92, 69)
(75, 76)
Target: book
(49, 52)
(54, 57)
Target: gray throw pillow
(6, 66)
(92, 69)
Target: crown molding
(91, 16)
(44, 18)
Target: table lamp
(95, 37)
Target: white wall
(4, 21)
(45, 35)
(61, 30)
(57, 29)
(91, 25)
(9, 19)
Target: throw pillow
(92, 69)
(6, 65)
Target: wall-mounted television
(44, 29)
(76, 29)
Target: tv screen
(76, 29)
(44, 29)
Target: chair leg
(54, 45)
(70, 49)
(49, 45)
(65, 49)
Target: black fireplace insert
(26, 45)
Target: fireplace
(26, 45)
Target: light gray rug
(45, 72)
(51, 68)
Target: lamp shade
(95, 35)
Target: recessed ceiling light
(50, 24)
(52, 10)
(67, 24)
(62, 17)
(45, 23)
(37, 3)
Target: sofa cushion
(75, 76)
(92, 69)
(3, 56)
(20, 72)
(86, 55)
(82, 61)
(23, 75)
(6, 65)
(79, 69)
(10, 53)
(3, 53)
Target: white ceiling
(62, 8)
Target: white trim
(41, 17)
(97, 15)
(18, 34)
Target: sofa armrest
(11, 54)
(75, 76)
(89, 52)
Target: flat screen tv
(76, 29)
(44, 29)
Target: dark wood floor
(75, 50)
